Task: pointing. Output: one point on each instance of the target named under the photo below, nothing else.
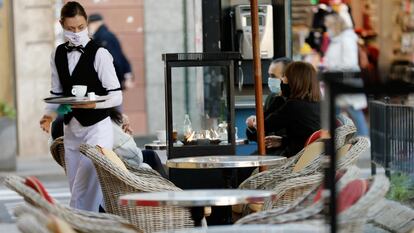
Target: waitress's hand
(45, 122)
(126, 127)
(273, 141)
(89, 106)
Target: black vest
(83, 74)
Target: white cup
(79, 90)
(91, 96)
(162, 135)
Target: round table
(224, 161)
(282, 228)
(197, 199)
(155, 146)
(228, 163)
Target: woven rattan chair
(289, 186)
(82, 221)
(32, 219)
(116, 182)
(293, 191)
(28, 209)
(286, 190)
(57, 150)
(397, 218)
(301, 202)
(358, 146)
(29, 224)
(350, 220)
(284, 171)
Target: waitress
(80, 61)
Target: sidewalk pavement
(43, 167)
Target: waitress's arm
(56, 90)
(104, 66)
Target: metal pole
(185, 45)
(331, 171)
(257, 67)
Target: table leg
(197, 214)
(228, 175)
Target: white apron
(84, 185)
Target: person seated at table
(300, 115)
(274, 100)
(124, 144)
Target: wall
(386, 37)
(8, 137)
(34, 42)
(6, 58)
(163, 23)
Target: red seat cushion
(351, 193)
(315, 136)
(37, 186)
(318, 195)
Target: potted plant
(8, 142)
(402, 189)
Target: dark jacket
(108, 40)
(272, 103)
(300, 118)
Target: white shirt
(103, 65)
(342, 55)
(126, 148)
(342, 52)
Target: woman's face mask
(285, 89)
(274, 85)
(78, 38)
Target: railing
(392, 136)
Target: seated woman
(124, 144)
(300, 115)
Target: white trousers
(84, 185)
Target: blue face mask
(274, 85)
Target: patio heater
(199, 111)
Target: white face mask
(79, 38)
(274, 85)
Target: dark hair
(115, 116)
(284, 60)
(303, 81)
(72, 9)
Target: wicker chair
(82, 221)
(398, 218)
(33, 220)
(288, 192)
(27, 209)
(116, 182)
(29, 224)
(285, 171)
(351, 220)
(301, 202)
(57, 150)
(289, 185)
